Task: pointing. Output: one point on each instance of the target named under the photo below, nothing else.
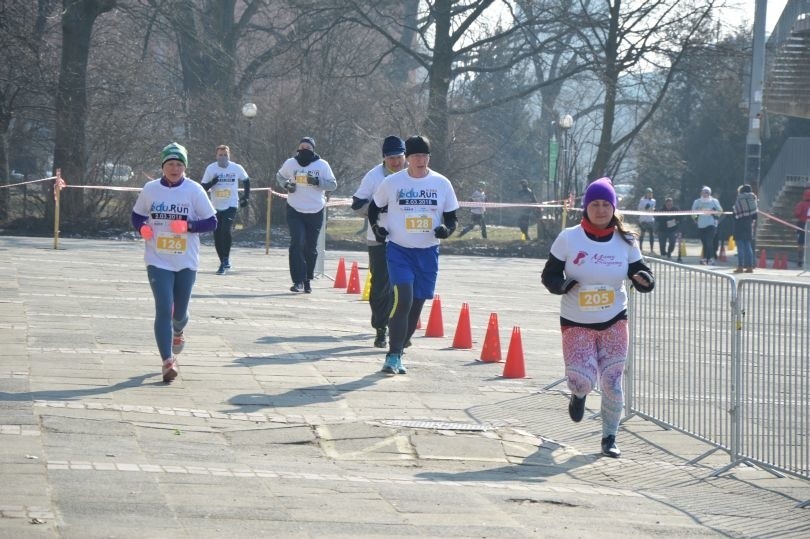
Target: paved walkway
(280, 424)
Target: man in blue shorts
(421, 210)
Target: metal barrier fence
(725, 361)
(774, 376)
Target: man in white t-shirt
(422, 208)
(306, 178)
(221, 181)
(379, 297)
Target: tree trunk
(611, 80)
(439, 86)
(207, 46)
(70, 153)
(5, 122)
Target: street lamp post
(566, 123)
(249, 111)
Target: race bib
(597, 297)
(222, 193)
(671, 223)
(301, 178)
(419, 223)
(170, 244)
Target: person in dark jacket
(745, 214)
(527, 215)
(668, 228)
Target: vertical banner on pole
(553, 153)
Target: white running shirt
(187, 202)
(600, 269)
(415, 206)
(368, 186)
(308, 198)
(225, 194)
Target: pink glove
(178, 226)
(146, 232)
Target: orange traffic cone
(722, 257)
(783, 263)
(367, 287)
(515, 367)
(763, 259)
(776, 261)
(340, 276)
(354, 280)
(463, 336)
(435, 326)
(491, 351)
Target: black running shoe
(297, 288)
(379, 342)
(576, 408)
(609, 448)
(307, 287)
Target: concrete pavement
(281, 426)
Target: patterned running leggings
(589, 353)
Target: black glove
(358, 203)
(290, 186)
(313, 180)
(243, 201)
(380, 233)
(647, 277)
(210, 184)
(442, 232)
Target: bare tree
(641, 42)
(70, 152)
(451, 37)
(23, 83)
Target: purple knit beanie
(601, 189)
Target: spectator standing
(646, 223)
(477, 212)
(707, 223)
(379, 297)
(801, 211)
(306, 178)
(527, 215)
(221, 182)
(587, 266)
(421, 211)
(170, 213)
(668, 228)
(745, 214)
